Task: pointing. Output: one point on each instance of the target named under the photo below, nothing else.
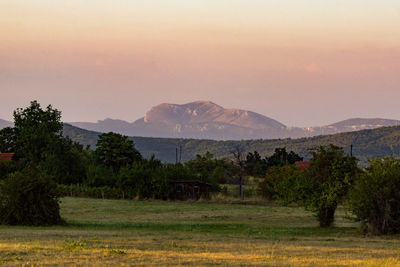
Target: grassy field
(126, 233)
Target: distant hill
(379, 142)
(207, 120)
(4, 124)
(82, 136)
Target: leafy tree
(375, 198)
(65, 160)
(208, 169)
(255, 165)
(36, 130)
(7, 140)
(327, 181)
(116, 151)
(98, 175)
(281, 157)
(37, 138)
(29, 197)
(151, 179)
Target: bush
(29, 197)
(375, 198)
(95, 192)
(280, 184)
(98, 175)
(7, 167)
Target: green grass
(123, 232)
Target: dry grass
(126, 233)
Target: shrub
(98, 175)
(280, 184)
(95, 192)
(29, 197)
(375, 198)
(7, 167)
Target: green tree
(29, 197)
(208, 169)
(281, 157)
(36, 130)
(255, 165)
(7, 140)
(115, 151)
(37, 138)
(375, 197)
(327, 181)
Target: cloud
(313, 68)
(99, 62)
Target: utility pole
(180, 154)
(238, 155)
(176, 155)
(351, 150)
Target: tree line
(47, 165)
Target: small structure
(183, 190)
(302, 165)
(6, 156)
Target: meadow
(126, 233)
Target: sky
(303, 62)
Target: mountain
(349, 125)
(207, 120)
(200, 119)
(107, 125)
(367, 144)
(4, 124)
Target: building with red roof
(6, 156)
(302, 165)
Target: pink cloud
(313, 68)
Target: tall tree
(327, 181)
(116, 151)
(255, 165)
(36, 130)
(37, 138)
(281, 158)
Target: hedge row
(104, 192)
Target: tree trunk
(326, 216)
(241, 187)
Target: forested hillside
(366, 144)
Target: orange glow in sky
(304, 63)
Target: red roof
(302, 165)
(6, 156)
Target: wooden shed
(183, 190)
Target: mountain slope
(367, 144)
(207, 120)
(200, 119)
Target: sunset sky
(302, 62)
